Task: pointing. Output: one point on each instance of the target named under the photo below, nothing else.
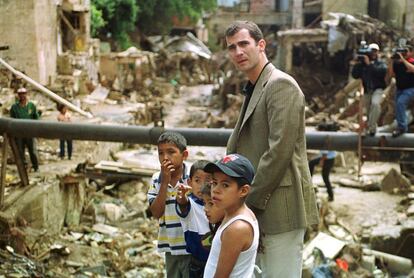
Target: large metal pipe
(109, 133)
(341, 141)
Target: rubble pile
(108, 234)
(363, 27)
(336, 251)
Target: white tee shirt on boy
(245, 263)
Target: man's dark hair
(198, 165)
(173, 138)
(250, 26)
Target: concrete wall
(392, 12)
(297, 14)
(28, 27)
(409, 18)
(46, 39)
(262, 6)
(218, 22)
(344, 6)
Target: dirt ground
(358, 209)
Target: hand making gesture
(182, 190)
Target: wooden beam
(67, 22)
(3, 169)
(24, 177)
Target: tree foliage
(155, 16)
(114, 18)
(97, 21)
(117, 18)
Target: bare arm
(157, 206)
(236, 238)
(182, 200)
(408, 65)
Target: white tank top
(244, 266)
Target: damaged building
(270, 14)
(48, 31)
(395, 13)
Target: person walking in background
(326, 159)
(25, 109)
(372, 71)
(270, 132)
(64, 116)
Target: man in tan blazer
(270, 132)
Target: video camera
(363, 50)
(395, 51)
(402, 48)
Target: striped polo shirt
(170, 233)
(197, 232)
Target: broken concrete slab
(394, 182)
(74, 195)
(114, 212)
(410, 210)
(105, 229)
(329, 246)
(351, 183)
(386, 238)
(98, 95)
(42, 206)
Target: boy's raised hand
(167, 168)
(182, 190)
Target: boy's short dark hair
(173, 138)
(250, 26)
(206, 189)
(241, 181)
(198, 165)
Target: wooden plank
(119, 167)
(24, 177)
(3, 169)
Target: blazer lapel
(257, 93)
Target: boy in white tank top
(235, 243)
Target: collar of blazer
(257, 92)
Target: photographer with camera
(402, 68)
(372, 70)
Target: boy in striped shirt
(172, 151)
